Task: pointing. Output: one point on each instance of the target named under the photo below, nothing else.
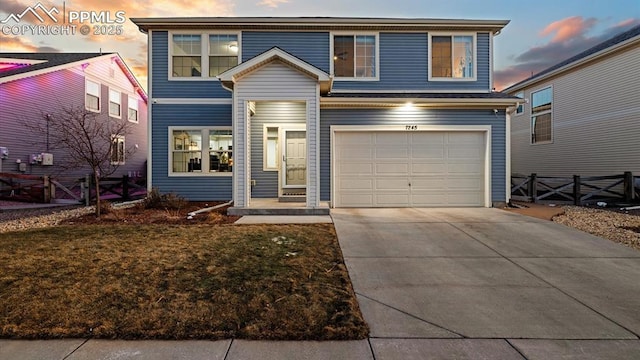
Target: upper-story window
(355, 56)
(92, 96)
(541, 116)
(203, 55)
(520, 108)
(115, 100)
(452, 57)
(133, 109)
(223, 53)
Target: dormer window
(355, 56)
(452, 57)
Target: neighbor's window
(201, 150)
(117, 150)
(186, 55)
(452, 57)
(115, 98)
(354, 56)
(541, 117)
(92, 96)
(520, 108)
(133, 109)
(271, 148)
(223, 53)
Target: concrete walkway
(445, 284)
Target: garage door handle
(409, 184)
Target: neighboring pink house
(33, 85)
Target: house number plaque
(411, 127)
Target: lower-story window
(196, 150)
(117, 150)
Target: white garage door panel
(394, 183)
(351, 168)
(405, 169)
(356, 184)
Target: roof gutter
(418, 102)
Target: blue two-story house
(349, 112)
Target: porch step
(292, 198)
(278, 211)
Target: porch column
(313, 150)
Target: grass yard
(177, 282)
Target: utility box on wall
(47, 159)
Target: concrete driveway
(484, 283)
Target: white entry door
(294, 164)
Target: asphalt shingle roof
(52, 60)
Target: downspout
(194, 213)
(507, 114)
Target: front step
(293, 198)
(277, 211)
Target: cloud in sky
(569, 38)
(16, 44)
(272, 3)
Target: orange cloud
(17, 44)
(568, 28)
(272, 3)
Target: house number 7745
(411, 127)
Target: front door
(294, 164)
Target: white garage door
(409, 169)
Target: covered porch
(276, 100)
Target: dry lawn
(176, 282)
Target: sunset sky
(541, 32)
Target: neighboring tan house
(581, 116)
(35, 85)
(353, 112)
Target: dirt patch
(540, 211)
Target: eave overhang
(319, 23)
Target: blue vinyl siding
(203, 188)
(330, 117)
(312, 47)
(270, 113)
(404, 62)
(163, 88)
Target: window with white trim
(223, 53)
(186, 51)
(203, 55)
(92, 96)
(520, 108)
(115, 100)
(271, 152)
(541, 116)
(133, 109)
(355, 56)
(117, 150)
(196, 151)
(452, 57)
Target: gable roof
(231, 76)
(27, 62)
(32, 64)
(609, 46)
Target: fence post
(576, 191)
(628, 186)
(46, 186)
(533, 187)
(125, 187)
